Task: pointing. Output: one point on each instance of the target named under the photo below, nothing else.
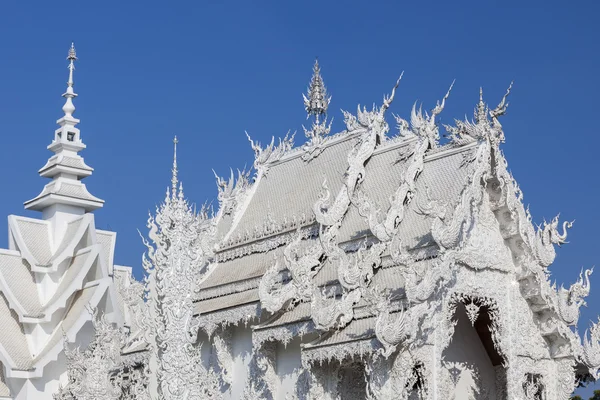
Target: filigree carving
(94, 373)
(472, 310)
(391, 330)
(569, 301)
(231, 191)
(328, 311)
(223, 347)
(262, 377)
(282, 334)
(271, 153)
(231, 316)
(546, 237)
(316, 139)
(174, 262)
(591, 349)
(302, 268)
(373, 126)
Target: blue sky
(207, 71)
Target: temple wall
(241, 354)
(288, 365)
(42, 388)
(466, 368)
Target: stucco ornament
(424, 128)
(372, 128)
(591, 349)
(302, 266)
(355, 271)
(570, 300)
(174, 261)
(391, 329)
(316, 102)
(94, 373)
(270, 153)
(232, 190)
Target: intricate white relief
(174, 262)
(302, 267)
(94, 373)
(328, 311)
(570, 301)
(271, 153)
(591, 349)
(232, 191)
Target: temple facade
(372, 263)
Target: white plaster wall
(40, 388)
(288, 365)
(464, 355)
(242, 354)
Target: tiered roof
(386, 201)
(57, 268)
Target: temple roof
(277, 198)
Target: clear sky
(207, 71)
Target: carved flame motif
(425, 129)
(231, 190)
(174, 262)
(271, 153)
(302, 268)
(591, 349)
(472, 310)
(94, 373)
(570, 301)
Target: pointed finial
(72, 57)
(174, 179)
(316, 100)
(69, 108)
(481, 109)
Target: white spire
(69, 108)
(316, 101)
(174, 179)
(66, 167)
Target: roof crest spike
(316, 101)
(69, 108)
(174, 178)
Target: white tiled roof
(16, 273)
(291, 187)
(231, 300)
(36, 236)
(12, 337)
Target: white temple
(365, 264)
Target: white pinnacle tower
(65, 197)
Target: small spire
(481, 110)
(174, 179)
(316, 100)
(69, 108)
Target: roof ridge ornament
(316, 101)
(174, 170)
(66, 167)
(69, 108)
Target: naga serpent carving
(591, 349)
(328, 312)
(424, 127)
(569, 301)
(273, 296)
(545, 239)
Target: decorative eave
(61, 163)
(209, 322)
(95, 292)
(334, 346)
(73, 193)
(62, 250)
